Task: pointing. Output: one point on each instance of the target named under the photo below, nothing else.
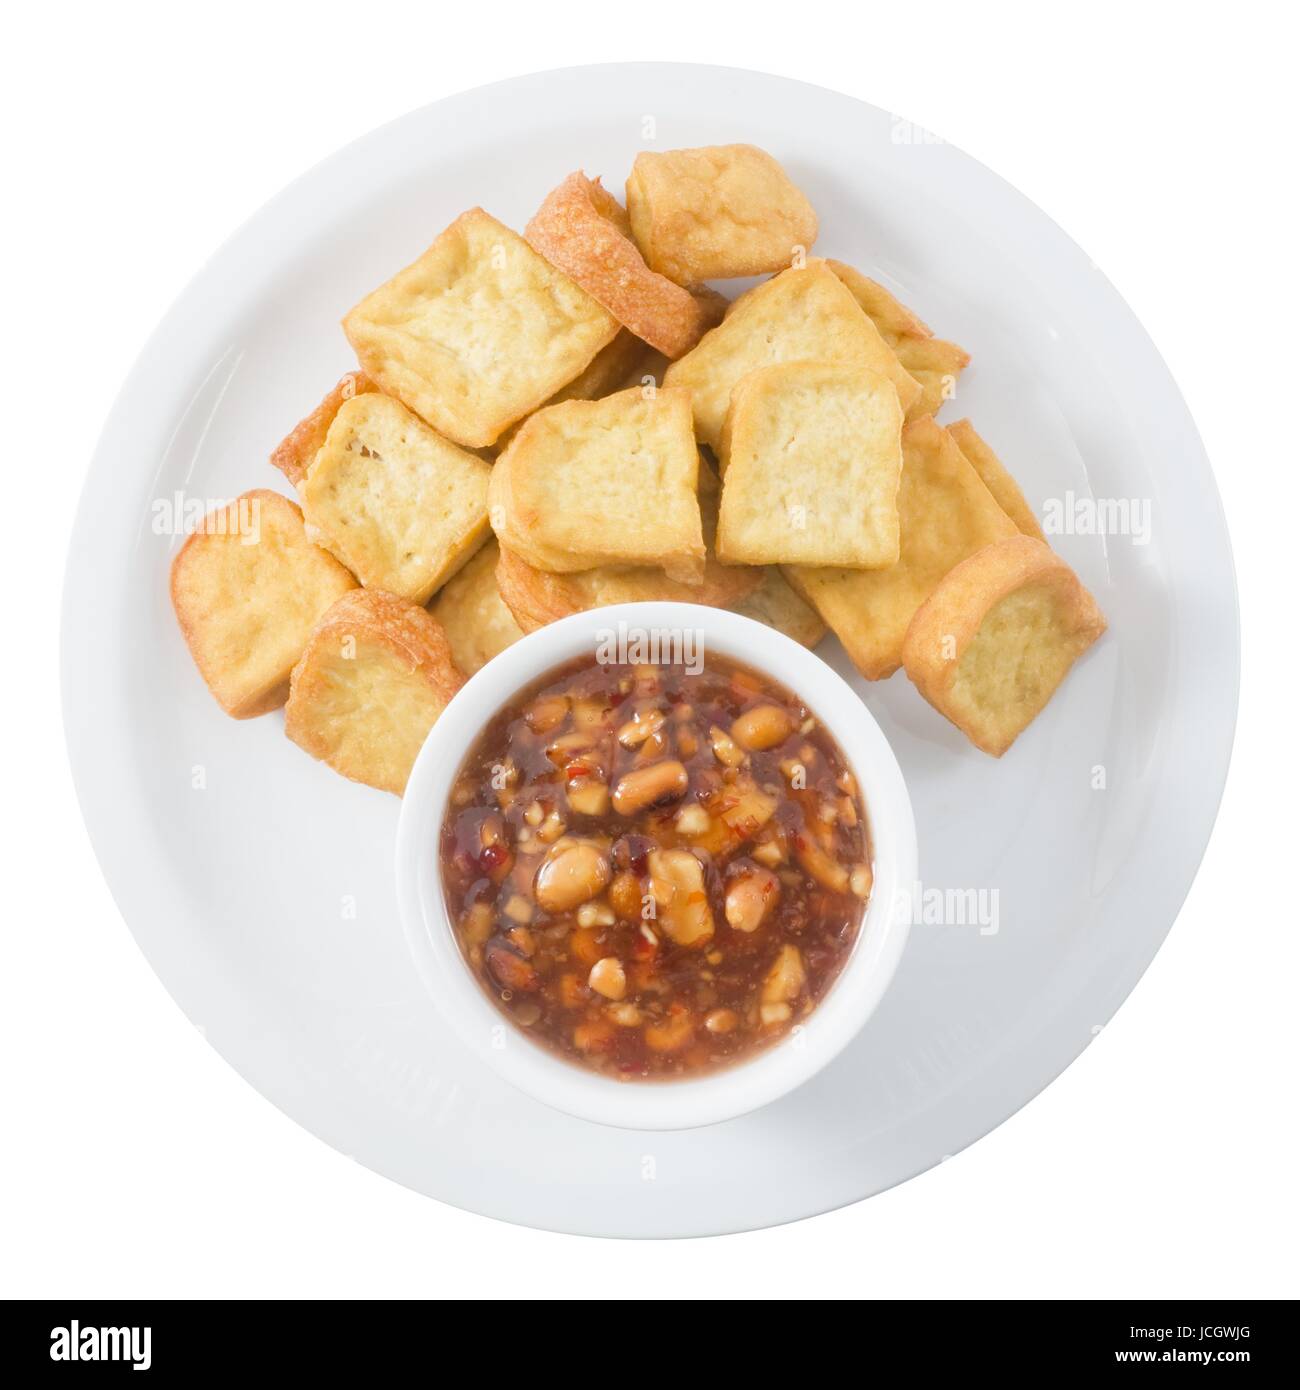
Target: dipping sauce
(655, 873)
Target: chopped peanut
(724, 749)
(747, 810)
(588, 797)
(625, 896)
(508, 968)
(518, 908)
(764, 726)
(522, 940)
(786, 977)
(596, 914)
(586, 945)
(650, 786)
(573, 875)
(682, 904)
(608, 978)
(751, 895)
(635, 732)
(770, 847)
(819, 865)
(547, 713)
(476, 925)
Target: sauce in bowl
(655, 873)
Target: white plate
(260, 885)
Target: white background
(1163, 139)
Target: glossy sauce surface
(655, 873)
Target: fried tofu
(581, 229)
(620, 364)
(375, 676)
(777, 605)
(248, 587)
(945, 514)
(294, 454)
(893, 318)
(478, 332)
(811, 454)
(717, 212)
(609, 482)
(996, 478)
(615, 367)
(473, 614)
(936, 364)
(399, 505)
(933, 362)
(536, 598)
(991, 644)
(804, 315)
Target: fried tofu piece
(717, 212)
(648, 370)
(248, 587)
(620, 364)
(777, 605)
(893, 318)
(608, 482)
(811, 454)
(294, 454)
(936, 364)
(945, 514)
(991, 644)
(582, 229)
(804, 315)
(933, 362)
(477, 332)
(399, 505)
(375, 676)
(996, 478)
(537, 598)
(473, 614)
(615, 367)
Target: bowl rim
(716, 1096)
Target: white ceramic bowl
(718, 1096)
